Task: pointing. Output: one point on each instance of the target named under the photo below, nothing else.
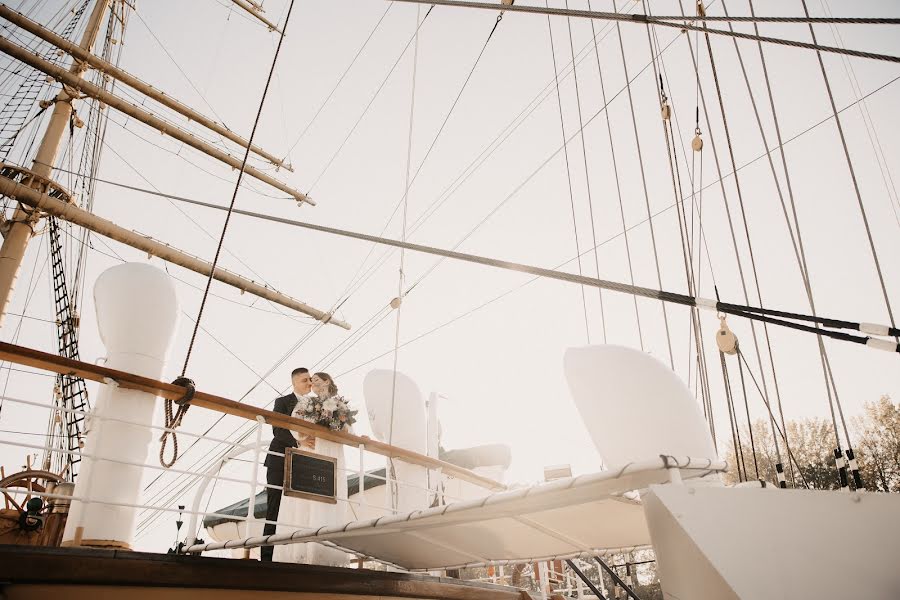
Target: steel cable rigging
(173, 419)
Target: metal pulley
(697, 143)
(725, 338)
(666, 111)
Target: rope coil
(173, 420)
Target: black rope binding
(174, 420)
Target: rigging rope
(862, 210)
(871, 128)
(339, 81)
(236, 189)
(565, 149)
(356, 281)
(468, 172)
(732, 419)
(615, 167)
(197, 224)
(746, 311)
(587, 176)
(782, 432)
(369, 105)
(397, 304)
(172, 421)
(686, 249)
(701, 12)
(749, 421)
(449, 113)
(790, 231)
(797, 243)
(702, 369)
(488, 151)
(644, 186)
(684, 26)
(187, 78)
(831, 388)
(639, 18)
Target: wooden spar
(76, 368)
(73, 214)
(85, 56)
(256, 10)
(87, 88)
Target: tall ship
(449, 299)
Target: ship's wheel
(31, 480)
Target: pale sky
(500, 367)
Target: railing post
(362, 476)
(673, 470)
(543, 580)
(251, 504)
(438, 494)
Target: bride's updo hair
(332, 386)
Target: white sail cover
(560, 519)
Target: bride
(300, 513)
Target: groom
(302, 383)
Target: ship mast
(37, 194)
(22, 226)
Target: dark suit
(275, 468)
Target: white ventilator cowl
(409, 427)
(137, 312)
(635, 407)
(386, 393)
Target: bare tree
(878, 431)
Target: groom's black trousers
(274, 476)
(282, 440)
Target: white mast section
(78, 85)
(85, 56)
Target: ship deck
(89, 574)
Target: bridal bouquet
(334, 412)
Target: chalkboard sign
(310, 476)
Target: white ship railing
(233, 450)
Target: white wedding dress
(298, 513)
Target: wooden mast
(21, 227)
